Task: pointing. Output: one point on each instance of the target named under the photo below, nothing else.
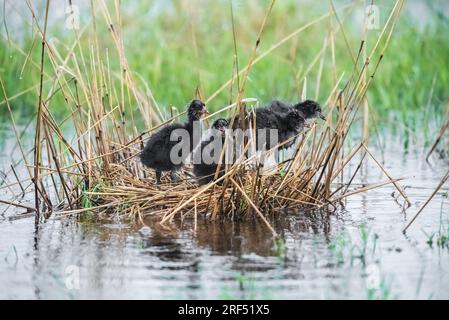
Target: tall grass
(181, 47)
(92, 152)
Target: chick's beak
(204, 110)
(322, 116)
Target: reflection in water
(318, 255)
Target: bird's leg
(158, 176)
(173, 176)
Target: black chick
(309, 109)
(288, 124)
(202, 169)
(156, 153)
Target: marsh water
(357, 252)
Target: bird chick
(309, 109)
(156, 154)
(288, 124)
(204, 169)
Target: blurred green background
(173, 47)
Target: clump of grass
(279, 248)
(104, 102)
(346, 250)
(443, 239)
(383, 292)
(360, 251)
(338, 247)
(410, 77)
(440, 238)
(248, 288)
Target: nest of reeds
(311, 178)
(95, 166)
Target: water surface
(318, 256)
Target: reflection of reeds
(101, 161)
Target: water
(68, 259)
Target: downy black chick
(156, 153)
(288, 124)
(309, 109)
(204, 169)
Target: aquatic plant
(383, 292)
(346, 249)
(279, 248)
(338, 247)
(441, 237)
(106, 106)
(246, 286)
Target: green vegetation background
(178, 48)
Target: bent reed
(95, 166)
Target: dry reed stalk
(398, 187)
(99, 163)
(440, 184)
(37, 141)
(275, 46)
(443, 130)
(364, 189)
